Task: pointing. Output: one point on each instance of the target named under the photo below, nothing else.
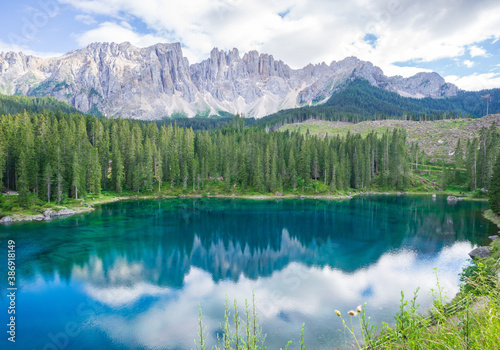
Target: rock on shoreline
(480, 252)
(47, 215)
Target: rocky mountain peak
(156, 81)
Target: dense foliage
(480, 155)
(361, 101)
(198, 123)
(55, 156)
(495, 188)
(18, 104)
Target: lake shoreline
(89, 205)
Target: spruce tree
(494, 191)
(75, 179)
(47, 176)
(22, 181)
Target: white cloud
(113, 32)
(5, 47)
(475, 82)
(468, 63)
(86, 19)
(125, 295)
(477, 51)
(311, 32)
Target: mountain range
(158, 81)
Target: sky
(459, 39)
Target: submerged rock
(452, 199)
(480, 252)
(493, 237)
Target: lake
(131, 274)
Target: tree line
(360, 101)
(17, 104)
(54, 156)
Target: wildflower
(352, 313)
(337, 312)
(358, 309)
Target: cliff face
(153, 82)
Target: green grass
(490, 215)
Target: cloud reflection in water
(286, 298)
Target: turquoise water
(132, 274)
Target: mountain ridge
(156, 81)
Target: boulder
(48, 213)
(433, 196)
(480, 252)
(63, 212)
(452, 199)
(39, 217)
(302, 197)
(5, 220)
(493, 237)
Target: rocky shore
(46, 215)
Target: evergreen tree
(76, 179)
(159, 169)
(22, 182)
(2, 158)
(47, 176)
(494, 191)
(258, 181)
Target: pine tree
(494, 191)
(75, 182)
(173, 160)
(47, 176)
(59, 175)
(292, 170)
(315, 167)
(159, 169)
(2, 157)
(148, 164)
(227, 178)
(258, 181)
(22, 182)
(94, 173)
(273, 179)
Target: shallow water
(132, 274)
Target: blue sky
(457, 39)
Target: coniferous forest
(54, 156)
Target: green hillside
(360, 101)
(17, 104)
(438, 138)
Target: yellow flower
(337, 312)
(352, 313)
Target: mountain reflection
(234, 238)
(144, 266)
